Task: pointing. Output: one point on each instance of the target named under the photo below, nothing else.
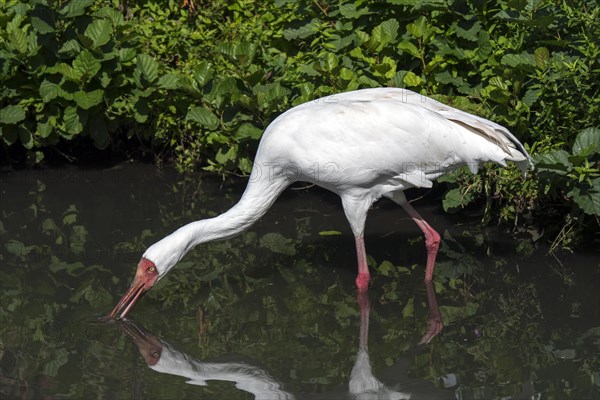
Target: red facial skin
(146, 276)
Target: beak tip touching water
(145, 277)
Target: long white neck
(259, 196)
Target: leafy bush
(200, 89)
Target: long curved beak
(135, 292)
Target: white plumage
(361, 145)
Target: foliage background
(154, 80)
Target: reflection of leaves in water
(282, 297)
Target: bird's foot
(362, 282)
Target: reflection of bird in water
(361, 145)
(364, 385)
(163, 358)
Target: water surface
(273, 313)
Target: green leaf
(202, 73)
(303, 32)
(329, 63)
(42, 26)
(48, 90)
(418, 28)
(409, 309)
(18, 40)
(75, 8)
(277, 243)
(44, 129)
(229, 155)
(141, 110)
(12, 114)
(70, 46)
(85, 66)
(472, 34)
(87, 100)
(169, 81)
(556, 161)
(531, 96)
(409, 48)
(410, 79)
(248, 131)
(454, 199)
(72, 121)
(514, 60)
(541, 55)
(26, 138)
(330, 233)
(100, 31)
(147, 66)
(349, 11)
(588, 199)
(389, 31)
(203, 116)
(587, 142)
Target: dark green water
(273, 313)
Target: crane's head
(146, 276)
(157, 260)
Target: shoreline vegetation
(90, 80)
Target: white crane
(361, 145)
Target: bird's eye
(151, 269)
(155, 354)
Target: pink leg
(435, 318)
(363, 277)
(432, 239)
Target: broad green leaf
(44, 129)
(72, 121)
(147, 66)
(9, 134)
(202, 73)
(85, 66)
(26, 138)
(410, 48)
(42, 25)
(203, 116)
(168, 81)
(556, 161)
(70, 46)
(87, 100)
(541, 56)
(471, 34)
(100, 31)
(418, 28)
(248, 131)
(141, 110)
(277, 243)
(18, 40)
(454, 199)
(410, 79)
(389, 30)
(350, 11)
(12, 114)
(75, 8)
(48, 90)
(303, 32)
(587, 142)
(531, 96)
(224, 157)
(588, 199)
(329, 63)
(513, 60)
(126, 54)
